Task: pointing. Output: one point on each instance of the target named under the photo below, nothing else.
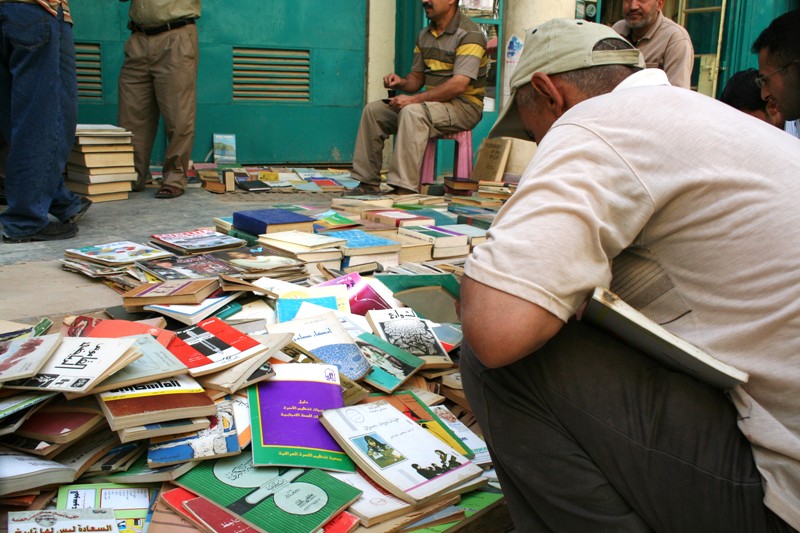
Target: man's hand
(392, 81)
(399, 102)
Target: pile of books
(100, 166)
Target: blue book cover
(287, 308)
(361, 240)
(257, 221)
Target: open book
(607, 311)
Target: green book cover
(473, 503)
(271, 498)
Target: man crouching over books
(695, 205)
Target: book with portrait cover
(396, 453)
(270, 498)
(284, 413)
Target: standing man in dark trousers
(39, 102)
(159, 77)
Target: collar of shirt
(452, 26)
(644, 78)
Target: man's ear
(553, 97)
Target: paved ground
(32, 283)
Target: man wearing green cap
(687, 210)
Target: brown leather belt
(155, 30)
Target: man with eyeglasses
(778, 49)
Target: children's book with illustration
(396, 452)
(212, 345)
(324, 336)
(79, 363)
(284, 413)
(270, 498)
(403, 328)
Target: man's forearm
(445, 92)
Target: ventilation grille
(89, 71)
(271, 75)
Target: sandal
(365, 189)
(168, 191)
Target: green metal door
(285, 76)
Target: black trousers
(589, 435)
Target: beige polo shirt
(667, 46)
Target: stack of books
(100, 166)
(446, 242)
(362, 248)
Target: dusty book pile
(100, 165)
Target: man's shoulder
(671, 27)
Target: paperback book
(404, 329)
(397, 453)
(270, 498)
(201, 266)
(284, 414)
(173, 292)
(192, 314)
(63, 520)
(117, 253)
(391, 366)
(23, 357)
(196, 241)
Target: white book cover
(408, 331)
(397, 453)
(324, 336)
(52, 520)
(467, 436)
(23, 357)
(79, 363)
(305, 239)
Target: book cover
(88, 326)
(492, 158)
(399, 218)
(609, 312)
(125, 500)
(224, 148)
(212, 345)
(415, 409)
(79, 363)
(159, 429)
(23, 357)
(20, 472)
(202, 266)
(116, 253)
(376, 504)
(219, 439)
(62, 421)
(199, 240)
(156, 401)
(325, 337)
(470, 439)
(214, 518)
(284, 415)
(270, 498)
(391, 366)
(360, 242)
(66, 520)
(398, 454)
(403, 328)
(435, 235)
(257, 259)
(181, 291)
(286, 309)
(360, 293)
(311, 241)
(270, 220)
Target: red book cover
(344, 522)
(174, 499)
(87, 326)
(212, 345)
(215, 518)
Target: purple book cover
(284, 412)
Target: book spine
(430, 239)
(472, 221)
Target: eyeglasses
(760, 79)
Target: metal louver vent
(271, 75)
(89, 70)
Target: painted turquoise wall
(320, 130)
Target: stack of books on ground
(496, 190)
(100, 166)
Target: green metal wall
(315, 126)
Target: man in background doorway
(778, 49)
(450, 61)
(159, 77)
(664, 43)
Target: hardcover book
(219, 439)
(284, 414)
(79, 363)
(23, 357)
(607, 311)
(403, 328)
(116, 253)
(395, 452)
(196, 241)
(270, 498)
(398, 218)
(271, 220)
(201, 266)
(157, 401)
(212, 345)
(324, 336)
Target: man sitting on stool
(450, 60)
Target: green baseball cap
(559, 45)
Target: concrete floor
(33, 285)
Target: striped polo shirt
(460, 49)
(51, 6)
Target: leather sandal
(168, 191)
